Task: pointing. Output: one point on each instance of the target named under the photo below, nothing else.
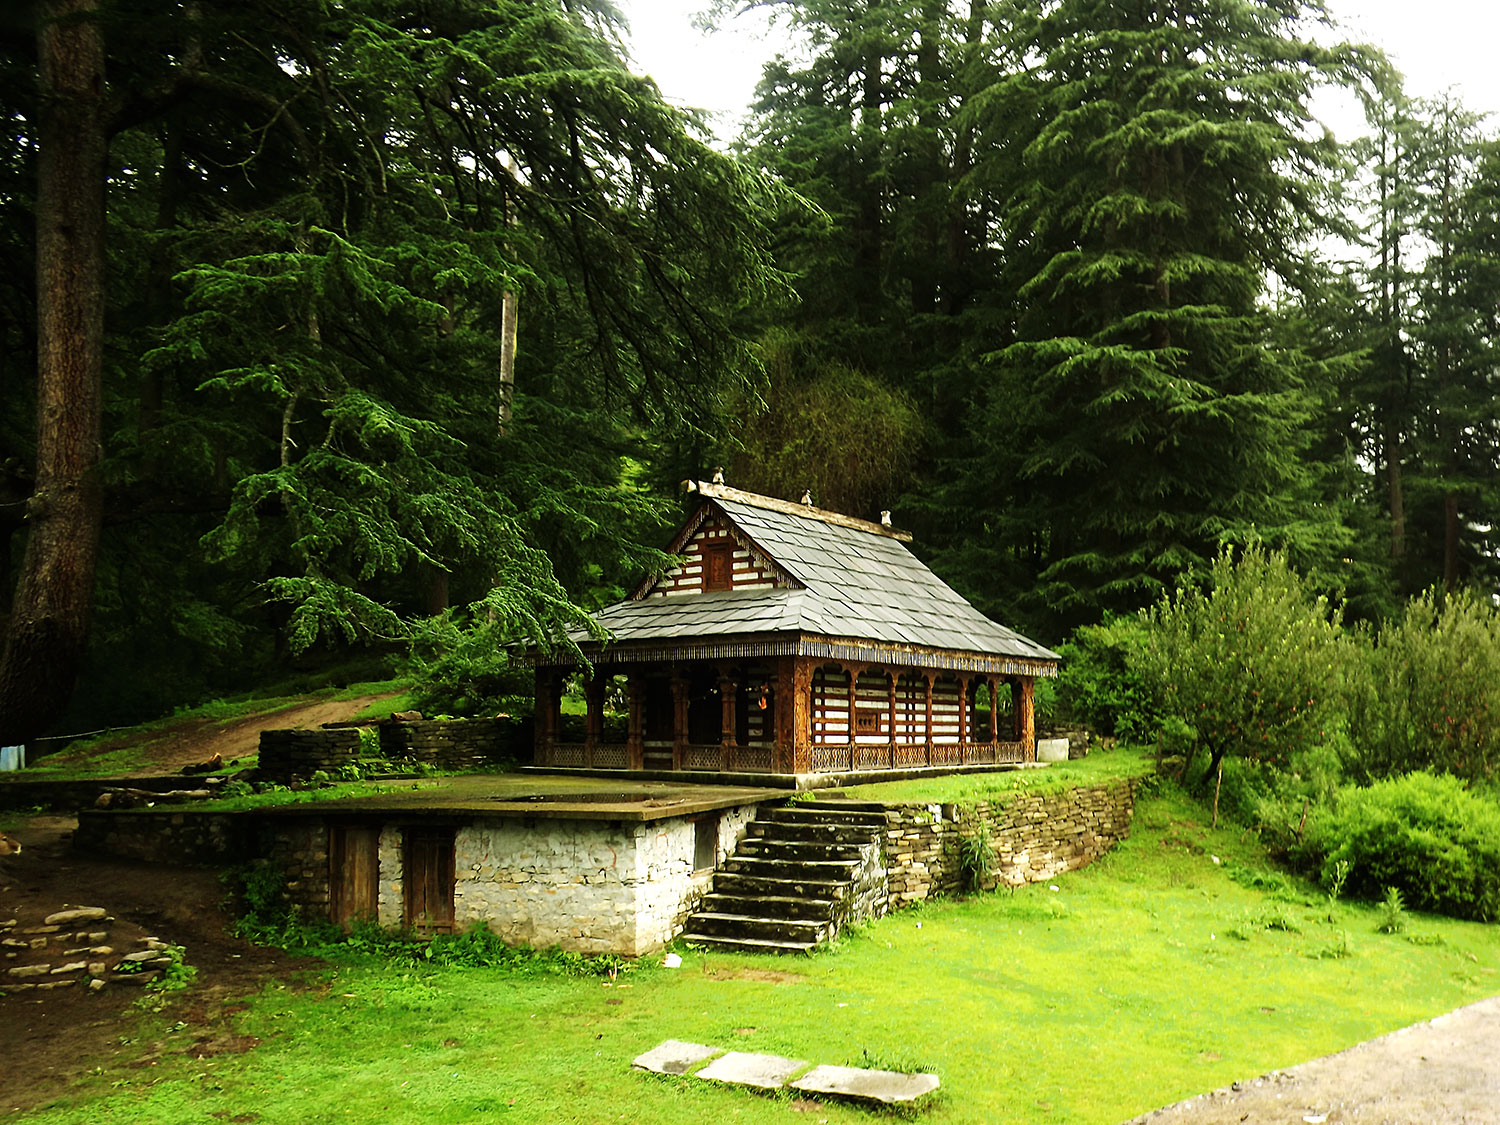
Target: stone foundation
(587, 886)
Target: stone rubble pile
(73, 947)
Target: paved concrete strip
(1445, 1070)
(764, 1072)
(887, 1086)
(675, 1057)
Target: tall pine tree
(1166, 170)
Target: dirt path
(198, 740)
(1443, 1072)
(54, 1038)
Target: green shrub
(1252, 664)
(1100, 682)
(1429, 698)
(1425, 835)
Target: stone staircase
(800, 874)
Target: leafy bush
(1430, 695)
(1100, 680)
(1252, 665)
(1425, 835)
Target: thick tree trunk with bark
(48, 628)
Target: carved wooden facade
(825, 657)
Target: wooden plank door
(354, 874)
(428, 867)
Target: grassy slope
(116, 753)
(1120, 991)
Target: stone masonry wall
(299, 848)
(205, 839)
(668, 889)
(583, 885)
(452, 744)
(1033, 837)
(294, 755)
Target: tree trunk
(48, 627)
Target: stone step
(775, 886)
(741, 926)
(816, 870)
(748, 945)
(813, 831)
(767, 906)
(797, 851)
(846, 812)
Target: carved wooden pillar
(852, 671)
(679, 717)
(891, 678)
(593, 729)
(929, 678)
(993, 683)
(635, 739)
(794, 708)
(963, 718)
(728, 690)
(548, 714)
(1026, 718)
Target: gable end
(712, 547)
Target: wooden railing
(836, 758)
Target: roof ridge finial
(718, 474)
(885, 517)
(807, 497)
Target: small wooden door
(354, 874)
(428, 867)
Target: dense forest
(390, 326)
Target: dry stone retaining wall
(1032, 837)
(448, 744)
(295, 755)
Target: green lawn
(1149, 977)
(1100, 766)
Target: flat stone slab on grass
(764, 1072)
(887, 1086)
(675, 1057)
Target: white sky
(1437, 44)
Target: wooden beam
(787, 507)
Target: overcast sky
(1437, 44)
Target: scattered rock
(77, 914)
(29, 971)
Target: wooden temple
(793, 640)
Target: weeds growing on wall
(976, 858)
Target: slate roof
(855, 583)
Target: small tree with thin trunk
(1252, 662)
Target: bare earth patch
(55, 1038)
(198, 740)
(766, 976)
